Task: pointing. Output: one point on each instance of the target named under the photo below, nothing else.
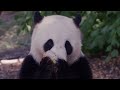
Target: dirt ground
(11, 49)
(100, 69)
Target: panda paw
(46, 64)
(46, 69)
(62, 68)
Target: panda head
(56, 37)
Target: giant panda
(56, 50)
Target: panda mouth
(51, 55)
(48, 62)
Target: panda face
(58, 38)
(49, 45)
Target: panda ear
(77, 20)
(37, 17)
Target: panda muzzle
(52, 56)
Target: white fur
(59, 29)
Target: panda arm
(81, 69)
(31, 70)
(28, 68)
(45, 70)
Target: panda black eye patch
(48, 45)
(68, 47)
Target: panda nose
(61, 61)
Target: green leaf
(108, 59)
(114, 53)
(104, 30)
(109, 48)
(100, 41)
(93, 44)
(118, 31)
(115, 42)
(95, 33)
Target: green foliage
(24, 20)
(102, 33)
(101, 29)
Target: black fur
(29, 67)
(68, 47)
(80, 69)
(45, 70)
(48, 45)
(48, 70)
(77, 20)
(37, 17)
